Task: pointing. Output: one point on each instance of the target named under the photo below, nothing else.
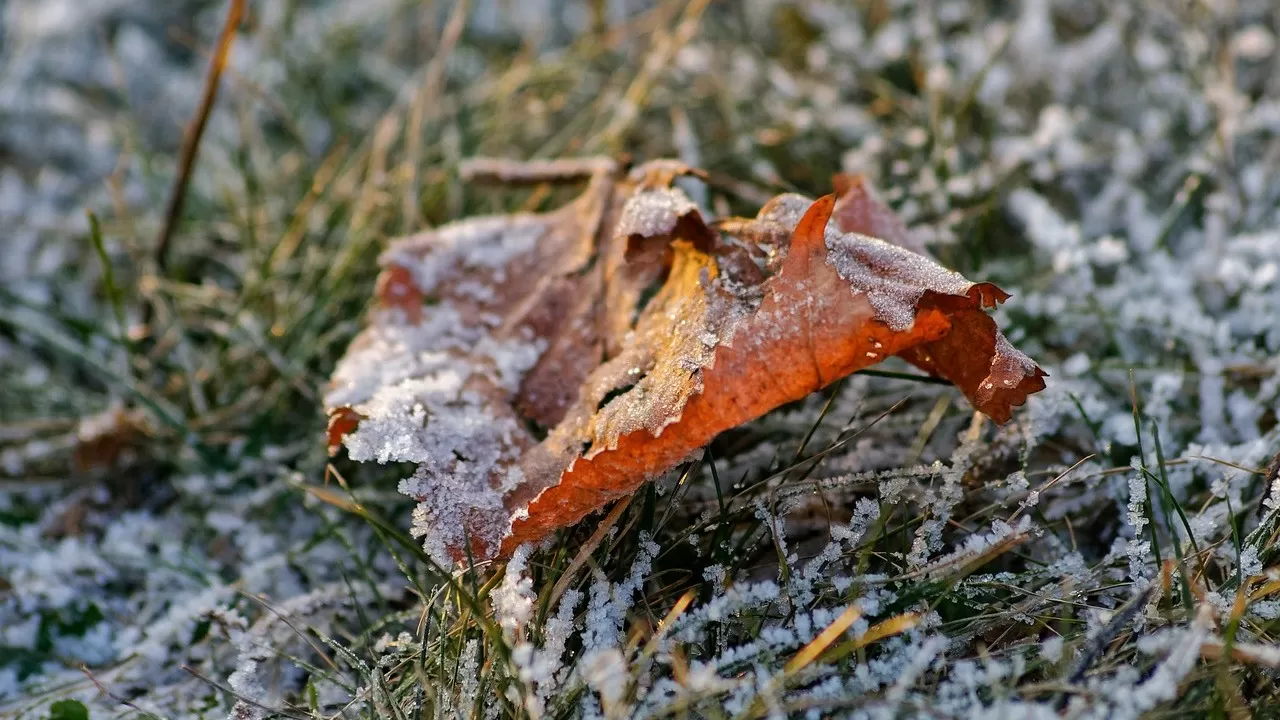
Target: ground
(174, 541)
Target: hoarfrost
(893, 278)
(1051, 649)
(655, 212)
(513, 600)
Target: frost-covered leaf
(537, 367)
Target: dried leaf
(102, 440)
(537, 367)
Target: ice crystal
(513, 600)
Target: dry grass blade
(676, 611)
(1269, 588)
(1251, 653)
(664, 626)
(810, 652)
(886, 628)
(427, 95)
(293, 236)
(113, 696)
(1272, 477)
(338, 500)
(585, 552)
(195, 131)
(665, 48)
(501, 170)
(1053, 482)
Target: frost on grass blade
(539, 366)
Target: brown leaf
(108, 439)
(993, 388)
(859, 209)
(537, 367)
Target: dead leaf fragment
(538, 366)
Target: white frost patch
(416, 392)
(513, 600)
(606, 672)
(1137, 548)
(489, 243)
(1250, 565)
(650, 213)
(456, 508)
(393, 351)
(1051, 648)
(1009, 366)
(542, 668)
(1254, 42)
(892, 278)
(786, 209)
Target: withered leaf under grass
(538, 366)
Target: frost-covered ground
(168, 525)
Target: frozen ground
(167, 523)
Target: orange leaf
(537, 367)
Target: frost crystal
(1250, 565)
(893, 278)
(1137, 547)
(513, 600)
(1051, 649)
(605, 671)
(651, 213)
